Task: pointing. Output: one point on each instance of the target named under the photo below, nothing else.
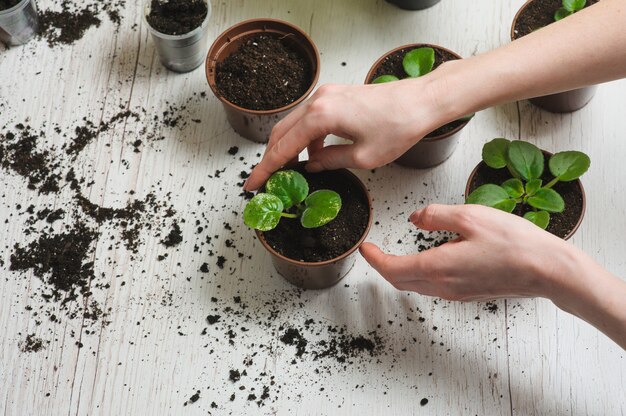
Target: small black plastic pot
(414, 4)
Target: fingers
(332, 157)
(400, 269)
(455, 218)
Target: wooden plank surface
(154, 349)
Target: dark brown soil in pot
(561, 224)
(538, 14)
(332, 240)
(265, 73)
(177, 17)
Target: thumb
(386, 265)
(331, 157)
(435, 217)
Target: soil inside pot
(392, 65)
(177, 17)
(265, 73)
(335, 238)
(7, 4)
(560, 224)
(538, 14)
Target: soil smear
(538, 14)
(176, 17)
(265, 73)
(332, 240)
(561, 224)
(392, 65)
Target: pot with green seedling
(311, 223)
(414, 4)
(536, 14)
(412, 61)
(544, 188)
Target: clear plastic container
(181, 53)
(19, 24)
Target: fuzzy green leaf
(321, 208)
(533, 186)
(385, 78)
(574, 5)
(514, 187)
(419, 62)
(569, 166)
(547, 200)
(263, 212)
(540, 218)
(495, 153)
(290, 186)
(562, 13)
(526, 159)
(492, 196)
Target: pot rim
(358, 244)
(214, 52)
(189, 34)
(517, 15)
(15, 8)
(376, 64)
(578, 181)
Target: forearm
(583, 49)
(585, 289)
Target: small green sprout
(525, 163)
(287, 195)
(569, 7)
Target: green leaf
(547, 200)
(526, 159)
(562, 13)
(467, 117)
(514, 187)
(569, 166)
(492, 196)
(321, 208)
(419, 62)
(263, 212)
(385, 78)
(539, 218)
(574, 5)
(533, 186)
(494, 153)
(289, 185)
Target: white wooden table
(527, 357)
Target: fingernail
(415, 216)
(245, 185)
(313, 167)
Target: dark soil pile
(560, 224)
(538, 14)
(7, 4)
(176, 17)
(392, 65)
(290, 239)
(265, 73)
(32, 344)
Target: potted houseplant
(311, 223)
(179, 29)
(18, 21)
(260, 70)
(536, 14)
(414, 4)
(519, 178)
(412, 61)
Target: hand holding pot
(382, 121)
(499, 255)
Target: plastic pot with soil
(179, 29)
(438, 145)
(542, 187)
(534, 15)
(414, 4)
(311, 223)
(260, 70)
(18, 21)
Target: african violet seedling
(525, 163)
(287, 195)
(569, 7)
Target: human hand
(382, 121)
(496, 255)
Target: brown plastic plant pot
(414, 4)
(320, 275)
(252, 124)
(430, 151)
(469, 189)
(563, 102)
